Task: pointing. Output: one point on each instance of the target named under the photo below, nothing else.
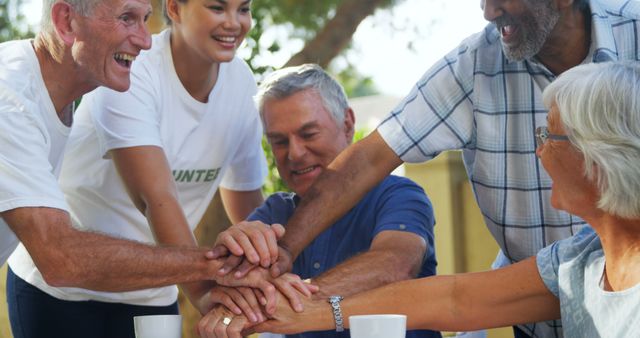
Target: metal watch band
(337, 312)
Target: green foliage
(300, 20)
(354, 83)
(274, 182)
(12, 24)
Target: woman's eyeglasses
(542, 135)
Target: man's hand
(284, 262)
(241, 267)
(257, 241)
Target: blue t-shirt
(395, 204)
(573, 270)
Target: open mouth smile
(226, 39)
(123, 59)
(304, 171)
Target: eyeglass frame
(542, 135)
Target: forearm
(428, 303)
(345, 181)
(427, 306)
(364, 272)
(462, 302)
(508, 296)
(98, 262)
(198, 294)
(156, 197)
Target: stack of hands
(254, 291)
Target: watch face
(335, 298)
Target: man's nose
(141, 37)
(492, 9)
(296, 150)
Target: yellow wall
(5, 330)
(463, 243)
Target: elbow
(61, 276)
(402, 270)
(407, 267)
(408, 272)
(59, 270)
(55, 278)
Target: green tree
(12, 23)
(323, 28)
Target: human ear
(61, 17)
(173, 11)
(349, 123)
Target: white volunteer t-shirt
(206, 144)
(32, 139)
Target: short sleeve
(550, 258)
(248, 168)
(27, 177)
(130, 118)
(437, 114)
(276, 209)
(403, 206)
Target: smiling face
(108, 40)
(571, 191)
(212, 29)
(525, 25)
(304, 137)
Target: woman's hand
(290, 285)
(286, 320)
(240, 300)
(295, 289)
(220, 322)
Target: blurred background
(377, 49)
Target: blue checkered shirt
(475, 100)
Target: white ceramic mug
(378, 326)
(158, 326)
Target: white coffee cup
(158, 326)
(378, 326)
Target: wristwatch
(337, 312)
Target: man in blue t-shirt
(386, 237)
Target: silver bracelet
(337, 312)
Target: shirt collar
(603, 46)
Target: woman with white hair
(591, 149)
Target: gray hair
(83, 7)
(599, 106)
(288, 81)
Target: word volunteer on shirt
(196, 175)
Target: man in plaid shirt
(484, 98)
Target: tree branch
(336, 34)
